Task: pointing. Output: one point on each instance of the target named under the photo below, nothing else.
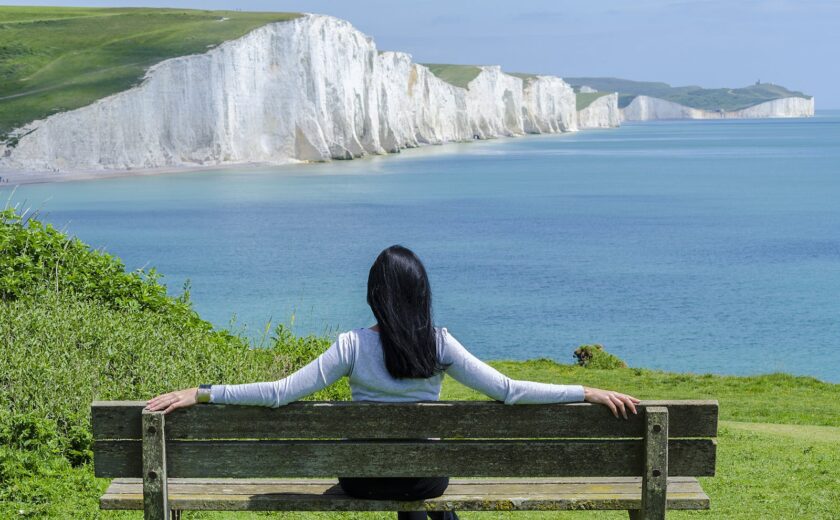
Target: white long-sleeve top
(358, 355)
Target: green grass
(780, 467)
(54, 58)
(75, 327)
(584, 99)
(458, 75)
(795, 431)
(690, 96)
(524, 76)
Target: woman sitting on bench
(402, 358)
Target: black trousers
(400, 488)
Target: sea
(687, 246)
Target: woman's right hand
(173, 400)
(615, 401)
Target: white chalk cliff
(601, 113)
(646, 108)
(548, 106)
(309, 89)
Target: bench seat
(509, 494)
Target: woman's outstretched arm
(474, 373)
(326, 369)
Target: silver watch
(202, 396)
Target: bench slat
(687, 457)
(331, 481)
(458, 489)
(444, 419)
(462, 494)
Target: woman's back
(369, 377)
(359, 355)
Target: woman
(402, 358)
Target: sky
(711, 43)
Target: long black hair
(401, 300)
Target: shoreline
(12, 178)
(21, 178)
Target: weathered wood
(474, 488)
(442, 419)
(154, 466)
(615, 451)
(462, 494)
(453, 480)
(655, 480)
(689, 457)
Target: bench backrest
(477, 439)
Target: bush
(594, 356)
(36, 257)
(75, 327)
(61, 353)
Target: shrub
(61, 353)
(594, 356)
(75, 327)
(36, 257)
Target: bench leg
(155, 491)
(175, 514)
(655, 479)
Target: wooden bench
(552, 457)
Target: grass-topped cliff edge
(75, 326)
(54, 59)
(584, 99)
(457, 75)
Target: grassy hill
(458, 75)
(690, 96)
(584, 99)
(60, 58)
(74, 326)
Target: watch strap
(202, 396)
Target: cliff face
(601, 113)
(784, 107)
(548, 106)
(310, 89)
(646, 108)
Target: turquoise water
(707, 246)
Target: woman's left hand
(618, 403)
(173, 400)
